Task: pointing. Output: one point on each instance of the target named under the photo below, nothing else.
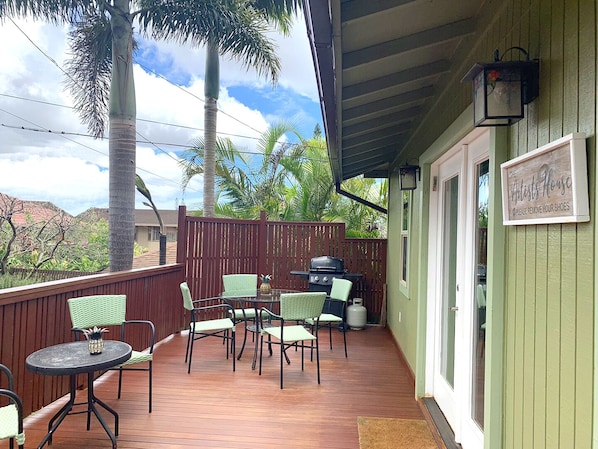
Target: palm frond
(234, 26)
(89, 70)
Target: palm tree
(278, 12)
(246, 186)
(102, 68)
(291, 182)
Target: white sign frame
(548, 184)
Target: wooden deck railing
(217, 246)
(36, 316)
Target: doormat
(393, 433)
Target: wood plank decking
(215, 408)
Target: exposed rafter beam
(391, 103)
(376, 156)
(376, 138)
(407, 43)
(395, 79)
(357, 9)
(385, 121)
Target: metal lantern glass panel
(497, 97)
(407, 174)
(501, 89)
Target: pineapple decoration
(265, 287)
(94, 339)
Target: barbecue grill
(322, 270)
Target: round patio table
(74, 358)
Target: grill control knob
(316, 278)
(325, 279)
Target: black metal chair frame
(210, 308)
(14, 399)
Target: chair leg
(345, 339)
(150, 385)
(120, 381)
(191, 354)
(233, 347)
(188, 344)
(330, 334)
(244, 341)
(281, 361)
(261, 337)
(318, 358)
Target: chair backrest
(8, 374)
(11, 415)
(240, 284)
(341, 289)
(187, 299)
(97, 310)
(301, 306)
(480, 296)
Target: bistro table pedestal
(257, 300)
(72, 359)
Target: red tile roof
(25, 212)
(152, 258)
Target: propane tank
(357, 314)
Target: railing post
(262, 244)
(181, 239)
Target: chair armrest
(77, 332)
(8, 373)
(15, 399)
(148, 324)
(236, 304)
(271, 314)
(336, 307)
(198, 308)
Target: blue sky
(46, 155)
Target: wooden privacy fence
(216, 246)
(47, 275)
(36, 316)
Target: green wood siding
(549, 303)
(549, 289)
(549, 285)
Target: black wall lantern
(407, 175)
(501, 88)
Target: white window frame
(405, 250)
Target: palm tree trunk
(122, 145)
(212, 86)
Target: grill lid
(327, 264)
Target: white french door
(456, 312)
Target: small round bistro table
(72, 359)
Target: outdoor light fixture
(501, 88)
(407, 174)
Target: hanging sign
(547, 185)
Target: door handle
(454, 308)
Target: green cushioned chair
(208, 318)
(11, 415)
(335, 308)
(237, 286)
(296, 308)
(110, 310)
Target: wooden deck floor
(215, 408)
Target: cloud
(47, 155)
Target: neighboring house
(152, 258)
(24, 213)
(147, 227)
(500, 336)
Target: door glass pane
(449, 281)
(479, 289)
